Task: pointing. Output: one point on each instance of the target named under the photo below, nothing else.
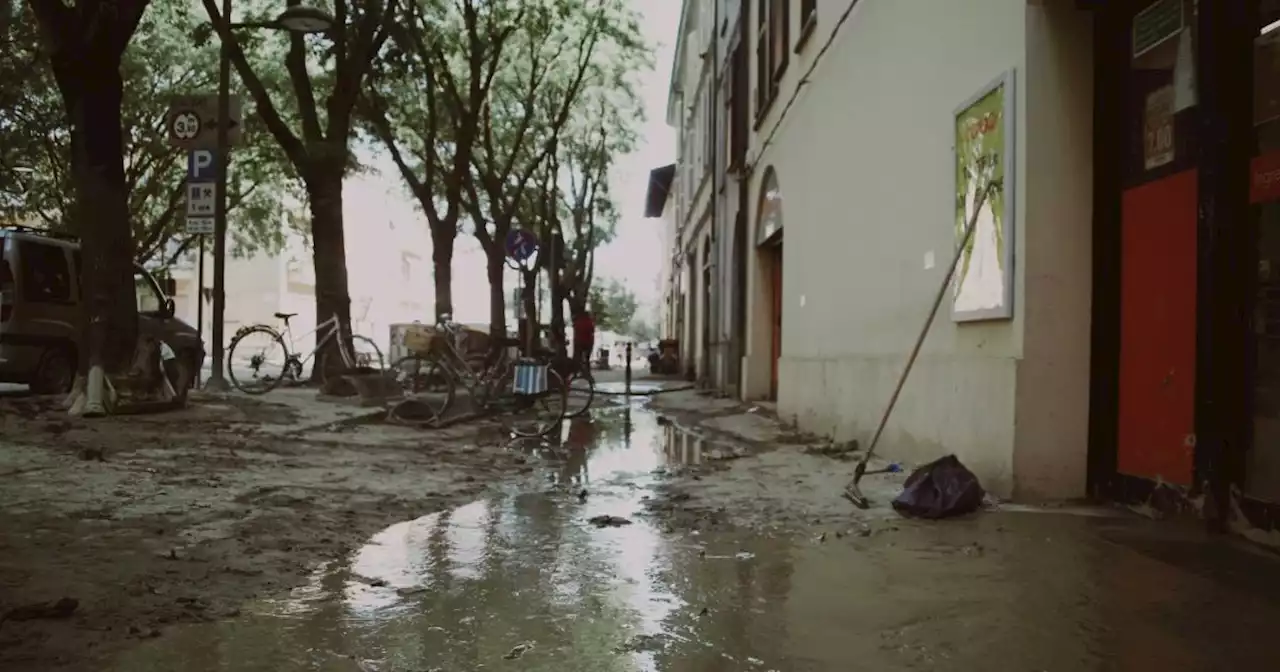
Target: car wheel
(56, 372)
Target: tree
(86, 41)
(613, 306)
(561, 46)
(159, 63)
(320, 148)
(424, 101)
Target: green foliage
(613, 306)
(567, 55)
(160, 62)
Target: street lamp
(295, 18)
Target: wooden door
(775, 268)
(1158, 329)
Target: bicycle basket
(530, 377)
(422, 340)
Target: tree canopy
(36, 183)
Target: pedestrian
(584, 336)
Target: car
(40, 335)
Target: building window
(736, 104)
(808, 19)
(773, 28)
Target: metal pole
(627, 350)
(200, 301)
(216, 381)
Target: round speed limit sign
(185, 125)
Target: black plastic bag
(940, 489)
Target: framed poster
(983, 195)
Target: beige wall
(864, 165)
(1052, 411)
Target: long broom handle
(933, 312)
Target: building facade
(1104, 176)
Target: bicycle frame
(331, 327)
(455, 364)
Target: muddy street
(694, 537)
(590, 566)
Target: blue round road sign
(521, 244)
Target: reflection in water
(458, 590)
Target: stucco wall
(1052, 418)
(864, 165)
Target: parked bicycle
(441, 360)
(261, 357)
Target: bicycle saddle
(285, 316)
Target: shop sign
(1155, 25)
(1157, 128)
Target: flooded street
(523, 579)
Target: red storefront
(1186, 329)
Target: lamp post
(294, 19)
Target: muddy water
(523, 581)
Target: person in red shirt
(584, 336)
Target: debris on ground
(608, 521)
(54, 610)
(518, 650)
(837, 449)
(941, 489)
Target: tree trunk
(329, 254)
(109, 306)
(496, 262)
(529, 299)
(557, 314)
(442, 239)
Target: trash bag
(940, 489)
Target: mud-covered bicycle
(529, 389)
(264, 366)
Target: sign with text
(1157, 128)
(202, 165)
(200, 225)
(202, 198)
(192, 121)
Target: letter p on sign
(201, 166)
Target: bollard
(628, 354)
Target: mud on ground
(151, 521)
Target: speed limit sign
(184, 126)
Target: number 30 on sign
(1157, 128)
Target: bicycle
(439, 362)
(578, 379)
(361, 353)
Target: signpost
(202, 189)
(192, 121)
(520, 246)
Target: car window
(46, 278)
(149, 299)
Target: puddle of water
(523, 581)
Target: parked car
(40, 336)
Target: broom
(851, 491)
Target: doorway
(774, 254)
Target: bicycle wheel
(581, 390)
(365, 354)
(428, 390)
(257, 360)
(539, 415)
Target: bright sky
(635, 255)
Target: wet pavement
(524, 580)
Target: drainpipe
(713, 310)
